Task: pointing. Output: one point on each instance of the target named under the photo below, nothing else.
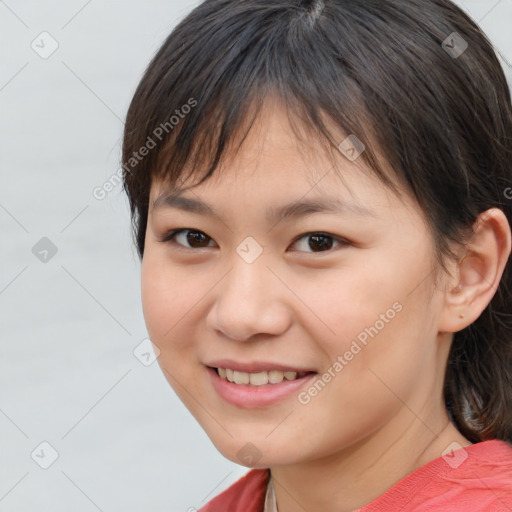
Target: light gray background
(69, 326)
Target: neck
(355, 476)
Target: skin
(382, 416)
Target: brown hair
(416, 80)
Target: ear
(478, 272)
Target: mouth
(261, 378)
(251, 386)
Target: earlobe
(479, 271)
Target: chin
(255, 454)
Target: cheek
(368, 314)
(345, 301)
(155, 302)
(166, 297)
(168, 301)
(174, 300)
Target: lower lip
(250, 397)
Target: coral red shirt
(477, 478)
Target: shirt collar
(270, 498)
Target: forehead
(279, 159)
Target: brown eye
(188, 238)
(318, 242)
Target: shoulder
(246, 495)
(484, 476)
(490, 460)
(477, 478)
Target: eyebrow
(296, 209)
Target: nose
(250, 300)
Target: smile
(259, 378)
(257, 388)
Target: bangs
(228, 74)
(340, 69)
(201, 145)
(209, 136)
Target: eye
(183, 236)
(308, 242)
(318, 242)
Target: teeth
(257, 379)
(241, 378)
(275, 376)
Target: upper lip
(256, 366)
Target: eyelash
(170, 236)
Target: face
(336, 307)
